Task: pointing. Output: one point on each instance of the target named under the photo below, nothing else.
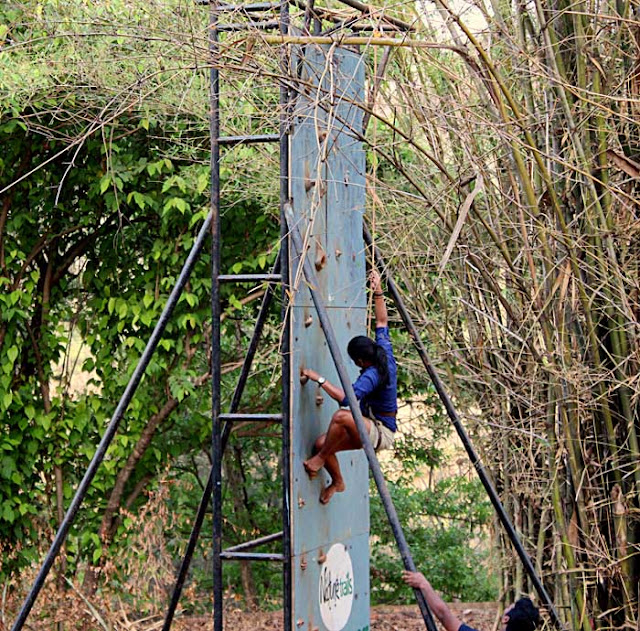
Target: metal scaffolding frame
(313, 17)
(222, 423)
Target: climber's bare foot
(312, 466)
(328, 492)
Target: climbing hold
(308, 182)
(321, 256)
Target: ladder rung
(247, 545)
(268, 418)
(249, 278)
(240, 26)
(246, 8)
(252, 556)
(245, 140)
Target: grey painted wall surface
(328, 194)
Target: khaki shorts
(380, 435)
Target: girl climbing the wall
(375, 389)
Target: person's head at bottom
(523, 615)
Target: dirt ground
(480, 616)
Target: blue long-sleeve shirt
(376, 399)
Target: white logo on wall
(335, 589)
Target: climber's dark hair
(362, 347)
(524, 616)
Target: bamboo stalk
(353, 40)
(580, 620)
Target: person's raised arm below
(436, 604)
(380, 308)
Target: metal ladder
(223, 422)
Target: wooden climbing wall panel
(330, 544)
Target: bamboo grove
(521, 253)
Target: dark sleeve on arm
(383, 339)
(365, 384)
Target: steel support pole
(287, 581)
(112, 428)
(464, 437)
(216, 437)
(336, 354)
(267, 299)
(188, 554)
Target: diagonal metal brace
(323, 316)
(114, 423)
